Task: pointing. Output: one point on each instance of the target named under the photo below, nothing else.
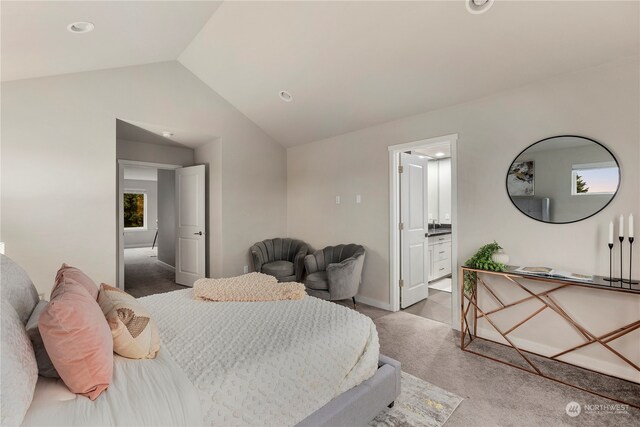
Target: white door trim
(148, 164)
(120, 214)
(394, 219)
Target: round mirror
(563, 179)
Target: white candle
(621, 227)
(611, 232)
(631, 225)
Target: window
(135, 210)
(594, 178)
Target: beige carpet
(494, 394)
(436, 307)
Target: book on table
(551, 272)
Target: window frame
(144, 220)
(585, 166)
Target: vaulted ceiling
(348, 65)
(36, 43)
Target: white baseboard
(167, 266)
(373, 303)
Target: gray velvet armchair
(335, 272)
(281, 258)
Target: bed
(307, 362)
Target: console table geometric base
(471, 310)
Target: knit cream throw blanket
(248, 287)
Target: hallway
(145, 275)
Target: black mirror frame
(506, 181)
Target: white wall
(600, 103)
(59, 147)
(143, 238)
(440, 191)
(444, 191)
(432, 203)
(154, 153)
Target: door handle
(199, 233)
(442, 252)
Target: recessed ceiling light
(285, 96)
(80, 27)
(167, 134)
(439, 154)
(478, 6)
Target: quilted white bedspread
(265, 363)
(147, 392)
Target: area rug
(419, 404)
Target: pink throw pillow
(69, 272)
(77, 338)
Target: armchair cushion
(278, 268)
(317, 281)
(273, 250)
(340, 272)
(336, 269)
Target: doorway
(148, 255)
(161, 219)
(423, 228)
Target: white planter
(501, 257)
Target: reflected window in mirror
(563, 179)
(594, 178)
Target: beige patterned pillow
(135, 334)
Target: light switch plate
(245, 269)
(337, 200)
(358, 198)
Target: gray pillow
(16, 288)
(45, 366)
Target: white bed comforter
(151, 392)
(265, 363)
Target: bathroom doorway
(424, 229)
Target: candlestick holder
(630, 281)
(611, 278)
(621, 238)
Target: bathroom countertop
(438, 232)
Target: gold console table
(471, 312)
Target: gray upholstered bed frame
(354, 407)
(361, 404)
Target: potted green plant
(482, 260)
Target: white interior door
(120, 283)
(414, 251)
(190, 224)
